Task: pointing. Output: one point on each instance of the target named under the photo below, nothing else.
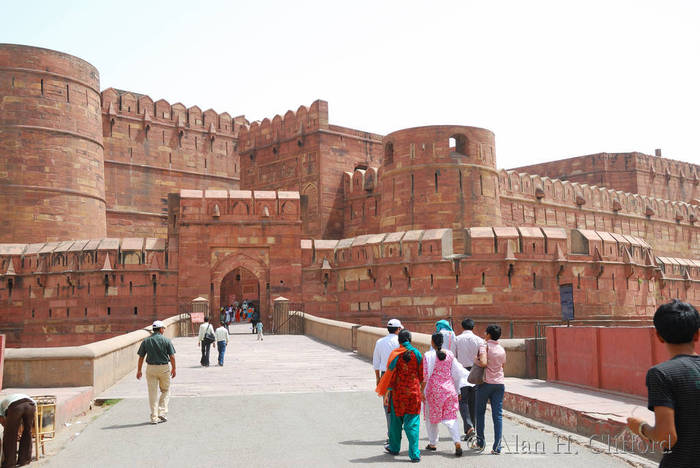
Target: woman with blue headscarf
(450, 339)
(401, 385)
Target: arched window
(459, 143)
(389, 153)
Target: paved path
(286, 401)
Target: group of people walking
(458, 374)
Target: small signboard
(197, 317)
(566, 296)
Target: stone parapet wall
(339, 333)
(99, 365)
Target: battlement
(292, 125)
(360, 182)
(105, 255)
(238, 205)
(120, 103)
(591, 197)
(634, 172)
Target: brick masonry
(116, 210)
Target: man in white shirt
(382, 350)
(467, 348)
(221, 335)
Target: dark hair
(494, 331)
(206, 319)
(677, 322)
(438, 340)
(405, 337)
(392, 329)
(468, 324)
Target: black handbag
(208, 336)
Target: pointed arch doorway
(239, 285)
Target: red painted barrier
(609, 358)
(2, 357)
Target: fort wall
(507, 275)
(302, 152)
(154, 148)
(639, 173)
(76, 292)
(533, 200)
(52, 164)
(218, 232)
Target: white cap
(158, 324)
(395, 323)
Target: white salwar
(459, 378)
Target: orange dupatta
(383, 385)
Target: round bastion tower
(439, 177)
(51, 152)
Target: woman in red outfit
(405, 374)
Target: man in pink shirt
(492, 357)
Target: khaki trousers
(158, 376)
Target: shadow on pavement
(126, 426)
(382, 458)
(363, 442)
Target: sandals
(430, 447)
(495, 452)
(458, 449)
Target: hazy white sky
(552, 79)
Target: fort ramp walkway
(286, 401)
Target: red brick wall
(152, 149)
(412, 275)
(51, 168)
(426, 184)
(652, 176)
(671, 227)
(258, 231)
(302, 152)
(62, 294)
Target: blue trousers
(492, 393)
(221, 347)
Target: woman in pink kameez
(442, 376)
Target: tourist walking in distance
(259, 328)
(442, 376)
(492, 357)
(382, 349)
(221, 335)
(17, 409)
(450, 343)
(159, 353)
(400, 384)
(206, 338)
(468, 345)
(674, 389)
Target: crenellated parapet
(647, 175)
(136, 107)
(222, 206)
(294, 125)
(546, 189)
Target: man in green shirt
(160, 357)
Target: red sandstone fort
(116, 209)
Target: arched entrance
(240, 285)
